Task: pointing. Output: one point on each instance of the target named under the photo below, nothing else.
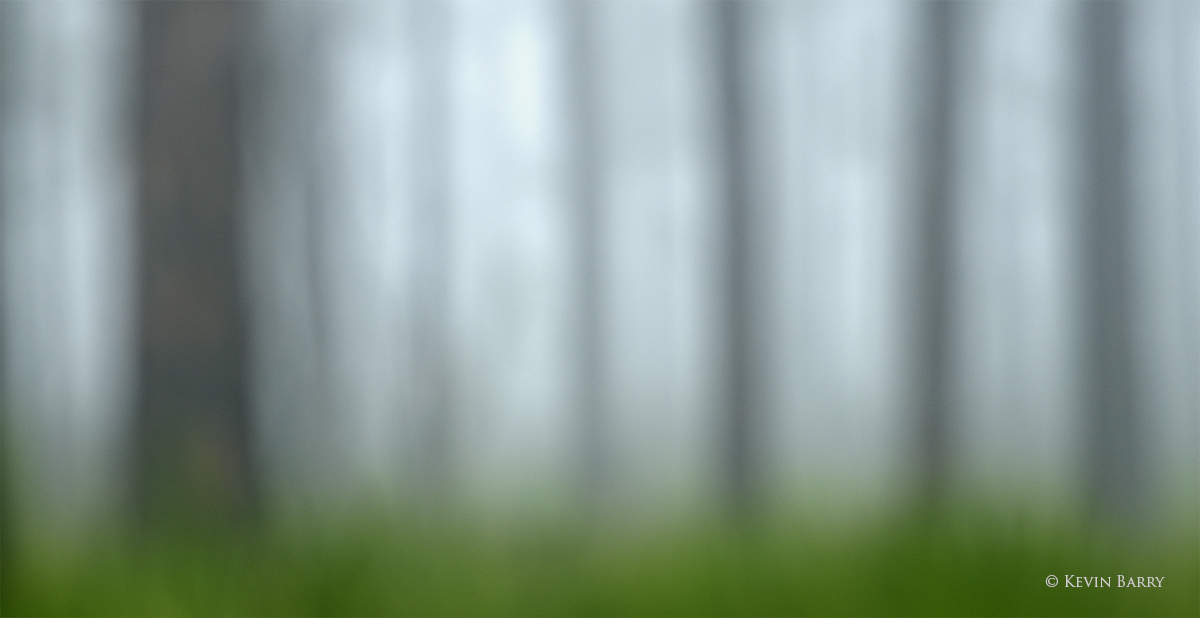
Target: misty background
(625, 258)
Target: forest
(553, 307)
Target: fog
(519, 257)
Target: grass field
(379, 563)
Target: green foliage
(383, 563)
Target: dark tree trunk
(1114, 442)
(935, 252)
(6, 480)
(739, 306)
(317, 272)
(193, 432)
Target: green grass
(380, 563)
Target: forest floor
(380, 564)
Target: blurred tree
(6, 521)
(431, 38)
(1114, 444)
(584, 92)
(316, 268)
(935, 249)
(1187, 95)
(731, 47)
(192, 434)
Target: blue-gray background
(337, 130)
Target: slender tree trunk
(1187, 104)
(193, 463)
(317, 273)
(584, 93)
(6, 458)
(1115, 442)
(430, 154)
(739, 346)
(935, 252)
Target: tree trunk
(740, 416)
(431, 24)
(6, 459)
(584, 93)
(1114, 441)
(193, 461)
(935, 253)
